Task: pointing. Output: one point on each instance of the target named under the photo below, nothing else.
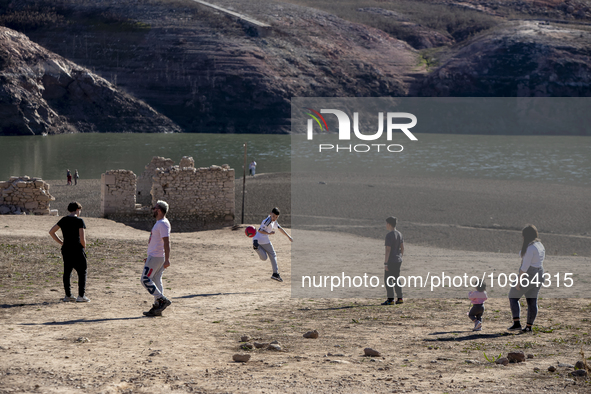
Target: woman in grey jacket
(532, 258)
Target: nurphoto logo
(344, 131)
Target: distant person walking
(252, 167)
(532, 258)
(262, 244)
(69, 176)
(158, 259)
(73, 253)
(393, 261)
(76, 176)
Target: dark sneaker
(399, 301)
(255, 244)
(526, 330)
(163, 303)
(388, 302)
(277, 277)
(153, 312)
(515, 327)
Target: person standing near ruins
(76, 176)
(69, 177)
(252, 167)
(158, 259)
(73, 250)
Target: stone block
(32, 205)
(109, 179)
(21, 184)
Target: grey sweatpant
(152, 276)
(265, 250)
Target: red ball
(250, 231)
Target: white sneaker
(69, 299)
(82, 299)
(477, 326)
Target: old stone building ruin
(199, 198)
(25, 195)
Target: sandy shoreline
(459, 214)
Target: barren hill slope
(210, 73)
(43, 93)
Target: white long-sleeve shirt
(534, 256)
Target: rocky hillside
(43, 93)
(207, 72)
(524, 58)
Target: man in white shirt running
(262, 244)
(158, 259)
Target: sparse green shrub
(31, 18)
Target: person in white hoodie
(532, 258)
(478, 298)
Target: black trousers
(74, 259)
(390, 280)
(476, 312)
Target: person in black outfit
(393, 261)
(73, 231)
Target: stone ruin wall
(199, 198)
(203, 194)
(22, 195)
(118, 189)
(144, 183)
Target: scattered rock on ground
(516, 357)
(241, 358)
(244, 338)
(552, 368)
(246, 346)
(580, 365)
(311, 334)
(563, 365)
(579, 372)
(371, 352)
(82, 340)
(530, 356)
(273, 346)
(260, 345)
(502, 361)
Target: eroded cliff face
(524, 59)
(209, 73)
(43, 93)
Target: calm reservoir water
(553, 159)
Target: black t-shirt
(394, 240)
(71, 226)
